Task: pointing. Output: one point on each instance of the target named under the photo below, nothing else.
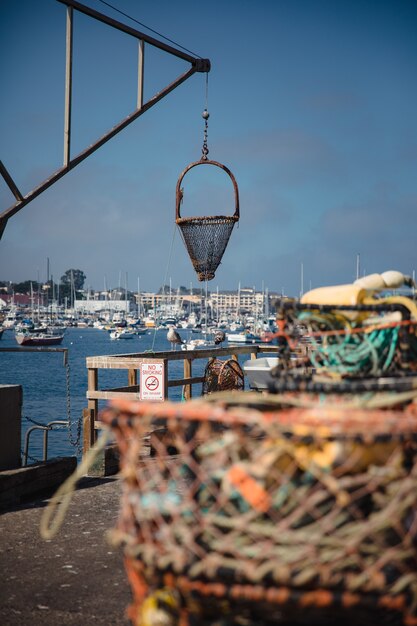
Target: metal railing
(45, 428)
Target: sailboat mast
(126, 293)
(139, 300)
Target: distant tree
(26, 286)
(72, 280)
(74, 277)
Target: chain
(205, 149)
(29, 456)
(74, 442)
(32, 421)
(205, 116)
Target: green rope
(352, 353)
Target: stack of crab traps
(295, 503)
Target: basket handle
(178, 193)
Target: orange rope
(329, 333)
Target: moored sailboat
(38, 339)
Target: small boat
(195, 344)
(241, 337)
(38, 339)
(121, 333)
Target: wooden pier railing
(134, 365)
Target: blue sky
(313, 107)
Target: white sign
(152, 381)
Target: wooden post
(88, 430)
(165, 379)
(92, 409)
(132, 378)
(188, 390)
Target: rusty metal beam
(197, 65)
(202, 65)
(68, 88)
(141, 72)
(83, 155)
(10, 182)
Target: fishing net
(223, 376)
(268, 512)
(356, 348)
(206, 237)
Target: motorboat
(121, 333)
(247, 337)
(195, 344)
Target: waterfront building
(244, 301)
(91, 306)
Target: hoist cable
(207, 79)
(129, 17)
(165, 278)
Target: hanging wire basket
(206, 237)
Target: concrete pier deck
(77, 578)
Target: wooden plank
(111, 395)
(185, 381)
(129, 388)
(133, 361)
(132, 393)
(111, 362)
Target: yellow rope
(54, 514)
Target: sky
(313, 107)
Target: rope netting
(355, 346)
(314, 506)
(223, 376)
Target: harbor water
(53, 391)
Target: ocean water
(44, 379)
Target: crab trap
(264, 514)
(346, 348)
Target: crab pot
(292, 512)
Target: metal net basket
(308, 508)
(206, 237)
